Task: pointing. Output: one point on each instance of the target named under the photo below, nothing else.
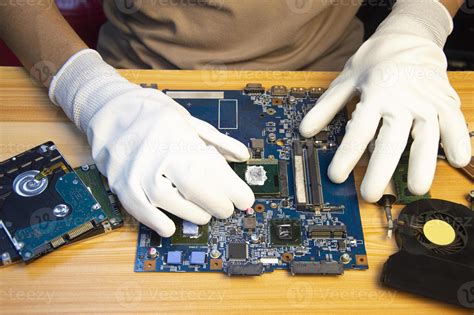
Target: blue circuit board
(301, 221)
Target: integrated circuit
(249, 223)
(285, 232)
(188, 233)
(237, 251)
(264, 176)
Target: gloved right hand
(153, 152)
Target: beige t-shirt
(230, 34)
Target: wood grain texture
(97, 275)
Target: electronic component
(248, 269)
(152, 252)
(327, 231)
(436, 252)
(321, 137)
(43, 203)
(388, 199)
(279, 91)
(315, 92)
(257, 147)
(186, 233)
(237, 251)
(197, 258)
(307, 176)
(316, 267)
(254, 89)
(280, 227)
(263, 176)
(298, 92)
(173, 258)
(155, 239)
(284, 232)
(190, 229)
(249, 223)
(98, 186)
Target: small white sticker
(255, 175)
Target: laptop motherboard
(301, 221)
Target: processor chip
(262, 175)
(190, 229)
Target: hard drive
(43, 204)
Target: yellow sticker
(439, 232)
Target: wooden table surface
(97, 275)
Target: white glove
(400, 73)
(153, 152)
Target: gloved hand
(153, 152)
(400, 73)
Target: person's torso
(233, 34)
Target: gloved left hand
(155, 155)
(401, 75)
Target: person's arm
(158, 158)
(39, 36)
(400, 74)
(452, 6)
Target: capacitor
(215, 253)
(345, 258)
(250, 211)
(271, 137)
(254, 238)
(152, 252)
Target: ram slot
(316, 187)
(299, 176)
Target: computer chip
(237, 251)
(190, 229)
(261, 175)
(249, 222)
(189, 233)
(285, 232)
